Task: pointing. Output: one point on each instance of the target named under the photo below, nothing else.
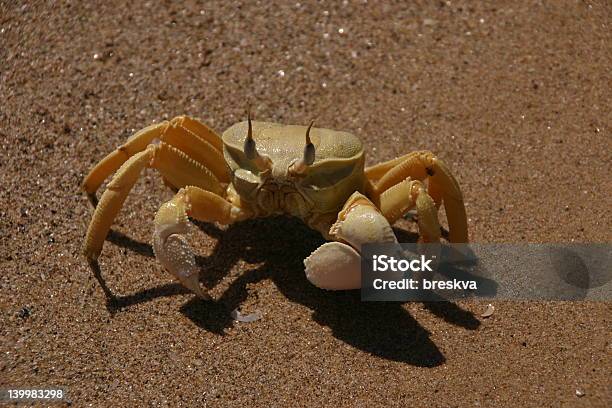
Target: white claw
(174, 253)
(334, 266)
(363, 224)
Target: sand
(514, 97)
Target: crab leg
(337, 265)
(404, 196)
(173, 164)
(198, 142)
(189, 135)
(442, 186)
(171, 223)
(374, 173)
(114, 160)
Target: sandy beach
(514, 96)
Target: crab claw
(172, 249)
(337, 265)
(360, 222)
(334, 266)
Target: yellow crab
(258, 169)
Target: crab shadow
(385, 329)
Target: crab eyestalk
(250, 150)
(308, 158)
(262, 162)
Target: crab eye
(262, 162)
(308, 158)
(250, 149)
(309, 149)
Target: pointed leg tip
(95, 268)
(444, 233)
(92, 199)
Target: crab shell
(337, 171)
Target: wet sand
(515, 98)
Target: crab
(259, 169)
